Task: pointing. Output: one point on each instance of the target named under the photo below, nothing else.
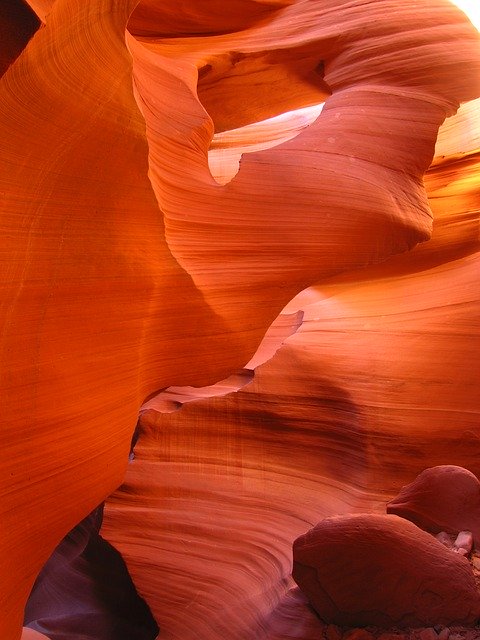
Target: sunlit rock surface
(128, 267)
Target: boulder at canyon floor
(382, 570)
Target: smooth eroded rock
(129, 269)
(31, 634)
(382, 570)
(442, 498)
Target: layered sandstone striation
(128, 268)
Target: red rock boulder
(382, 570)
(442, 498)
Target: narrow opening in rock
(85, 591)
(227, 147)
(173, 398)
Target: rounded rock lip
(441, 498)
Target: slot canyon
(240, 343)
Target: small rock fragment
(476, 562)
(444, 634)
(444, 538)
(428, 634)
(464, 540)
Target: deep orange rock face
(127, 268)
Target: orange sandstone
(126, 268)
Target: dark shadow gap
(85, 591)
(18, 23)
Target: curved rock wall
(128, 269)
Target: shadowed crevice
(85, 591)
(18, 23)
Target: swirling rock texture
(128, 268)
